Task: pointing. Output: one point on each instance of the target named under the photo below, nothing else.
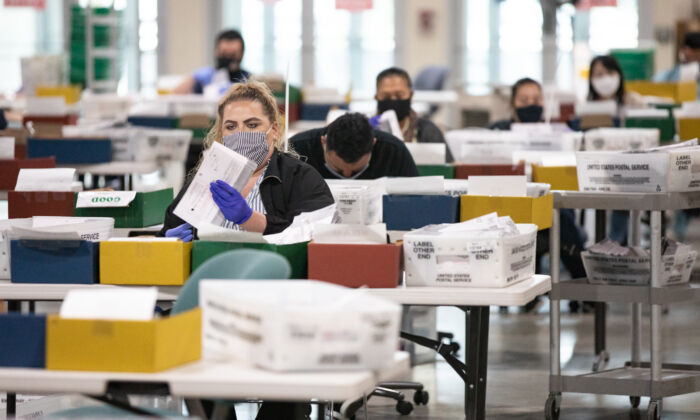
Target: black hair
(395, 71)
(230, 35)
(350, 137)
(520, 83)
(610, 64)
(692, 40)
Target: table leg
(14, 306)
(635, 240)
(477, 334)
(11, 407)
(656, 267)
(601, 353)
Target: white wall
(424, 49)
(183, 36)
(665, 15)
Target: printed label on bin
(91, 199)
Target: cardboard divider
(123, 346)
(23, 340)
(356, 265)
(147, 209)
(537, 211)
(406, 212)
(678, 91)
(688, 128)
(560, 178)
(40, 203)
(296, 254)
(464, 171)
(71, 151)
(54, 261)
(9, 169)
(146, 263)
(446, 170)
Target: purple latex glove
(230, 202)
(182, 232)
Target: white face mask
(606, 86)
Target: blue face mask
(341, 176)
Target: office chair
(431, 78)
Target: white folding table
(208, 380)
(475, 302)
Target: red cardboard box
(69, 119)
(9, 169)
(356, 265)
(464, 171)
(40, 203)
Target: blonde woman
(249, 122)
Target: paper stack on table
(607, 262)
(197, 207)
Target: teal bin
(636, 64)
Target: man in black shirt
(349, 149)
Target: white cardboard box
(619, 270)
(672, 170)
(468, 259)
(5, 231)
(297, 325)
(621, 139)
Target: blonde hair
(249, 90)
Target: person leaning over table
(249, 122)
(395, 92)
(348, 148)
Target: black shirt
(289, 187)
(390, 157)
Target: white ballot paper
(93, 229)
(415, 185)
(127, 304)
(501, 186)
(349, 234)
(197, 206)
(58, 179)
(7, 148)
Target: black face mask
(232, 64)
(529, 114)
(402, 107)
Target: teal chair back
(239, 264)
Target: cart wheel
(551, 408)
(421, 397)
(634, 401)
(404, 407)
(653, 411)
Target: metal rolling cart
(636, 378)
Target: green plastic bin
(636, 64)
(147, 209)
(448, 171)
(296, 254)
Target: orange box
(356, 265)
(464, 171)
(40, 203)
